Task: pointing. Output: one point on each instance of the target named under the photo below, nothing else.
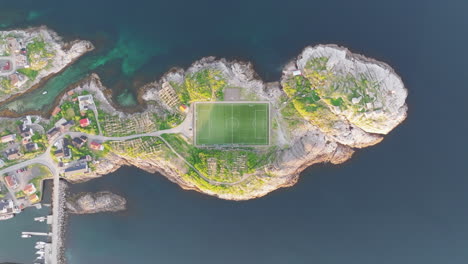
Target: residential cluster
(20, 189)
(79, 109)
(21, 59)
(20, 141)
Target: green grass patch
(31, 74)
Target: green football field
(232, 124)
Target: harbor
(17, 249)
(44, 252)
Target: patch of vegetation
(38, 55)
(182, 92)
(220, 165)
(317, 64)
(170, 120)
(291, 115)
(205, 85)
(20, 194)
(6, 84)
(30, 73)
(321, 93)
(92, 128)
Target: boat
(40, 252)
(40, 243)
(25, 236)
(39, 246)
(6, 217)
(44, 92)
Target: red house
(84, 122)
(96, 146)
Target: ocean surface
(403, 201)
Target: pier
(36, 234)
(40, 219)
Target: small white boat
(25, 236)
(44, 92)
(39, 246)
(40, 252)
(6, 217)
(40, 243)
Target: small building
(86, 158)
(25, 131)
(29, 189)
(297, 73)
(8, 138)
(25, 141)
(80, 168)
(11, 181)
(183, 108)
(31, 146)
(85, 122)
(59, 153)
(6, 206)
(13, 154)
(53, 133)
(96, 146)
(14, 80)
(34, 198)
(66, 126)
(79, 141)
(66, 150)
(27, 121)
(86, 103)
(56, 111)
(60, 122)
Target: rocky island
(329, 103)
(89, 203)
(216, 127)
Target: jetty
(36, 234)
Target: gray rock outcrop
(89, 203)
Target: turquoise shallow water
(402, 201)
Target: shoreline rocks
(90, 203)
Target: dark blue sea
(403, 201)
